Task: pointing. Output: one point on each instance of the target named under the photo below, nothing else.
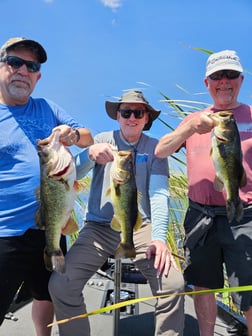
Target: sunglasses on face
(229, 74)
(16, 63)
(138, 114)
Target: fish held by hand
(124, 197)
(56, 195)
(226, 153)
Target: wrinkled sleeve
(159, 201)
(83, 163)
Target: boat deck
(134, 320)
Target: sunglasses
(16, 63)
(138, 114)
(229, 74)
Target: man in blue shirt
(23, 120)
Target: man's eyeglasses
(229, 74)
(17, 62)
(138, 114)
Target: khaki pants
(94, 245)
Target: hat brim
(224, 67)
(113, 107)
(31, 43)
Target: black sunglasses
(138, 114)
(229, 74)
(17, 62)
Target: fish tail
(55, 261)
(230, 206)
(239, 211)
(124, 251)
(234, 210)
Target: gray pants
(96, 242)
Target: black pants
(21, 261)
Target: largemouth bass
(56, 197)
(227, 158)
(124, 197)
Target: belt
(203, 223)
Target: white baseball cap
(223, 60)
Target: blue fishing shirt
(20, 127)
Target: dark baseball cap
(24, 42)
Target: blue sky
(99, 48)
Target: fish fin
(115, 224)
(78, 186)
(55, 261)
(124, 251)
(38, 220)
(37, 193)
(218, 184)
(108, 192)
(70, 227)
(138, 222)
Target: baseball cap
(223, 60)
(22, 41)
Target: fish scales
(227, 158)
(56, 197)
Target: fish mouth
(43, 142)
(225, 114)
(124, 153)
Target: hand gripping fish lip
(218, 116)
(58, 159)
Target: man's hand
(163, 258)
(67, 135)
(203, 123)
(102, 153)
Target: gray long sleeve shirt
(151, 179)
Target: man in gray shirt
(97, 240)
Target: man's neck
(132, 140)
(226, 106)
(13, 101)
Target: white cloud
(113, 4)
